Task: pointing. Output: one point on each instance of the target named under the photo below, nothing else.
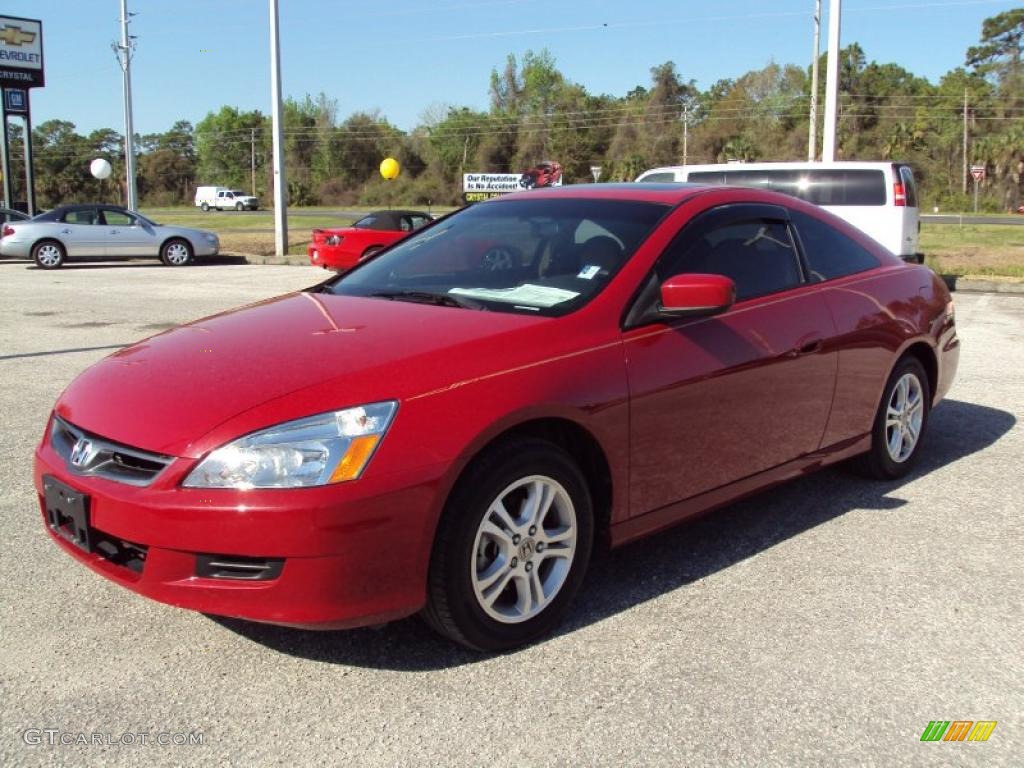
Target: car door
(716, 399)
(81, 233)
(127, 235)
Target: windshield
(540, 256)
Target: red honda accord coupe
(450, 426)
(345, 247)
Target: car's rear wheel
(176, 253)
(205, 207)
(239, 206)
(372, 250)
(900, 422)
(512, 547)
(48, 254)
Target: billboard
(482, 186)
(21, 52)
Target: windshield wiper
(425, 297)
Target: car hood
(191, 388)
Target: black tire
(371, 251)
(879, 462)
(176, 252)
(49, 254)
(205, 207)
(453, 608)
(239, 206)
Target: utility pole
(965, 141)
(828, 149)
(124, 52)
(252, 158)
(280, 201)
(686, 130)
(812, 139)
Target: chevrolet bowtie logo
(16, 36)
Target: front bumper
(351, 555)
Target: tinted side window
(118, 219)
(829, 252)
(81, 217)
(658, 177)
(758, 254)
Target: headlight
(210, 238)
(329, 448)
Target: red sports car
(544, 174)
(449, 427)
(344, 248)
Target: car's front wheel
(900, 422)
(239, 206)
(49, 254)
(176, 253)
(512, 547)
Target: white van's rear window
(825, 186)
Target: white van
(224, 197)
(878, 198)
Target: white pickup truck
(222, 197)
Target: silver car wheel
(177, 254)
(903, 417)
(524, 549)
(49, 255)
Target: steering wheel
(500, 258)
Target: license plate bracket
(67, 512)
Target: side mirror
(696, 295)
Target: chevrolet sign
(21, 52)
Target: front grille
(87, 454)
(239, 568)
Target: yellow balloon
(389, 168)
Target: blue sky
(406, 56)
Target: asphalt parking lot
(823, 622)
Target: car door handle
(65, 231)
(114, 232)
(807, 348)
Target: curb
(982, 284)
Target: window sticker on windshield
(589, 272)
(535, 295)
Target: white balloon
(99, 168)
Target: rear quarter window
(829, 252)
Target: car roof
(60, 210)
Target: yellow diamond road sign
(16, 36)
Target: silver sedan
(102, 232)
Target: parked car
(880, 199)
(544, 174)
(449, 426)
(223, 198)
(345, 247)
(97, 231)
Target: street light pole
(280, 202)
(124, 58)
(828, 149)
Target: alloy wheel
(177, 254)
(524, 549)
(903, 417)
